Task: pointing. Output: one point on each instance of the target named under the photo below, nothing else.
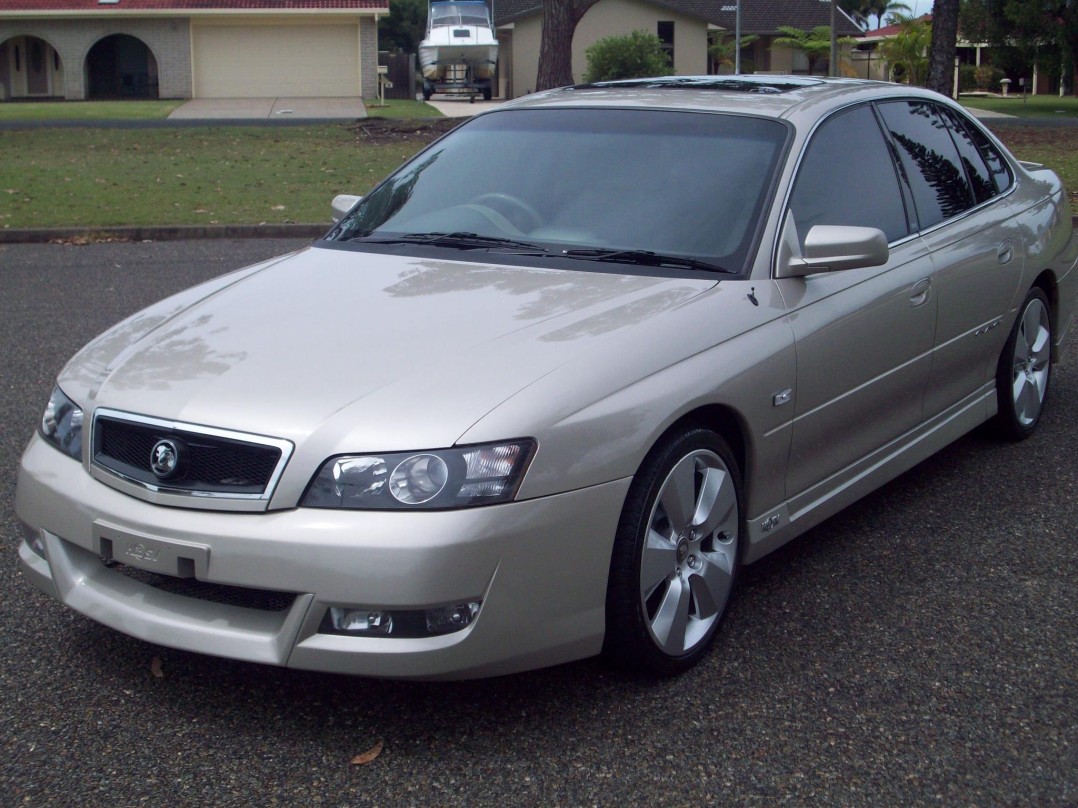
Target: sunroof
(764, 85)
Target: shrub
(637, 55)
(985, 77)
(988, 78)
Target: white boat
(460, 49)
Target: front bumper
(539, 566)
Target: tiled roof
(505, 11)
(757, 16)
(893, 30)
(187, 5)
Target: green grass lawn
(86, 110)
(91, 177)
(1032, 106)
(223, 175)
(158, 110)
(401, 109)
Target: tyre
(428, 91)
(675, 554)
(488, 93)
(1025, 369)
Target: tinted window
(980, 179)
(997, 165)
(670, 182)
(847, 177)
(929, 160)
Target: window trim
(796, 172)
(916, 231)
(967, 119)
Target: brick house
(85, 49)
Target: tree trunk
(944, 39)
(556, 48)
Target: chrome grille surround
(235, 470)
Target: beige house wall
(622, 17)
(168, 37)
(527, 35)
(608, 18)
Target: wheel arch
(1048, 284)
(723, 420)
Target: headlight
(444, 478)
(61, 425)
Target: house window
(666, 36)
(18, 64)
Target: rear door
(864, 337)
(959, 183)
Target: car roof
(767, 95)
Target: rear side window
(929, 159)
(978, 174)
(1000, 172)
(847, 177)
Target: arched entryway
(121, 66)
(30, 68)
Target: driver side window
(847, 177)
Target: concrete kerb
(44, 235)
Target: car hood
(344, 351)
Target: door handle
(919, 294)
(1005, 253)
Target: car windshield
(459, 14)
(584, 182)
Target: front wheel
(675, 555)
(1025, 369)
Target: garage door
(246, 61)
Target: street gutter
(88, 235)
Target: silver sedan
(545, 389)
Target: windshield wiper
(645, 258)
(462, 241)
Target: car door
(958, 183)
(863, 336)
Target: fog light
(451, 618)
(361, 621)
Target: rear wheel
(1025, 369)
(675, 555)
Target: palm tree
(815, 44)
(862, 10)
(906, 53)
(722, 47)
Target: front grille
(265, 600)
(208, 463)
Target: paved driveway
(452, 106)
(917, 649)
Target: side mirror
(829, 248)
(342, 203)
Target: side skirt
(790, 519)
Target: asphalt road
(918, 649)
